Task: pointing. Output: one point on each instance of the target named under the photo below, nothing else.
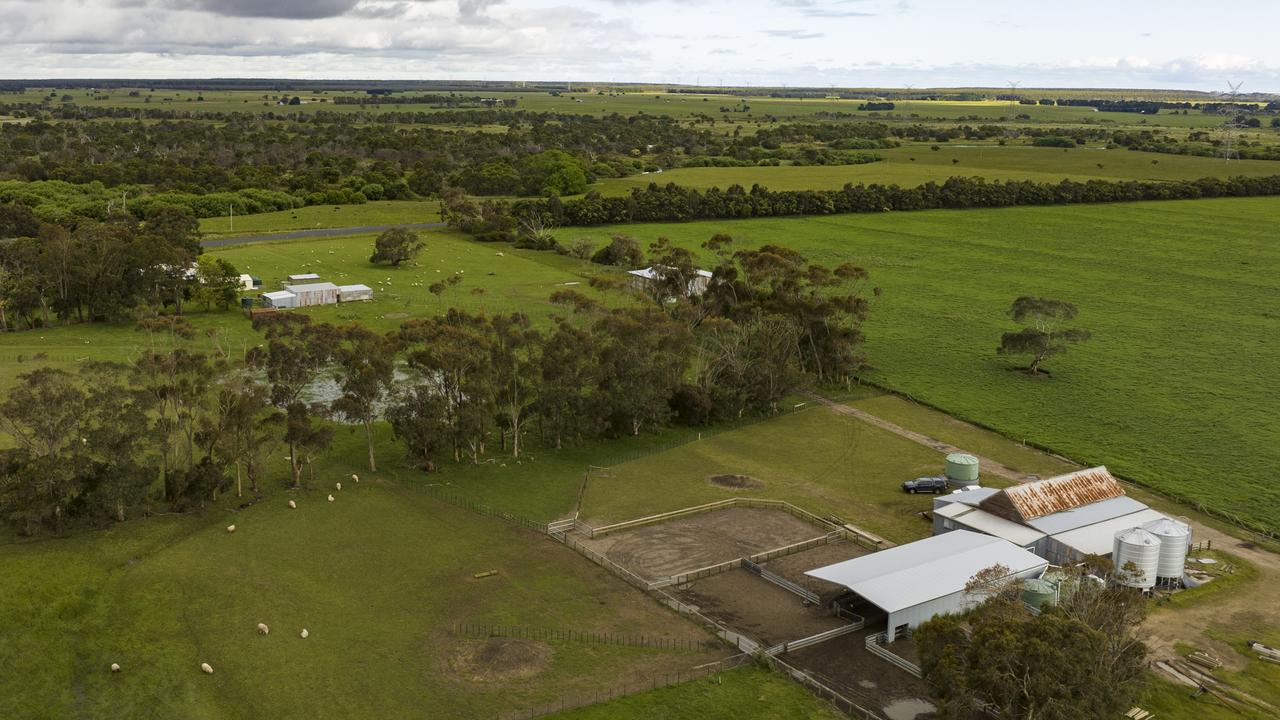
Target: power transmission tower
(1231, 125)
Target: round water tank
(1141, 548)
(1037, 593)
(962, 468)
(1174, 538)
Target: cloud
(794, 34)
(838, 8)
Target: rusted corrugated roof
(1045, 497)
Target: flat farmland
(1176, 388)
(914, 165)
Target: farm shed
(960, 516)
(280, 299)
(917, 581)
(1095, 539)
(644, 276)
(249, 282)
(303, 276)
(969, 496)
(352, 293)
(323, 293)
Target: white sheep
(338, 485)
(304, 634)
(263, 629)
(331, 498)
(293, 505)
(115, 667)
(231, 528)
(206, 668)
(355, 477)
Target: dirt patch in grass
(736, 482)
(757, 608)
(496, 659)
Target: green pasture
(748, 693)
(1175, 389)
(916, 164)
(314, 217)
(497, 279)
(813, 458)
(377, 577)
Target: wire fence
(640, 683)
(480, 630)
(454, 498)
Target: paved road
(317, 232)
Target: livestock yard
(597, 497)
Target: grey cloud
(816, 8)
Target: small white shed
(352, 293)
(303, 277)
(280, 299)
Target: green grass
(384, 212)
(1174, 390)
(914, 165)
(745, 694)
(377, 577)
(814, 458)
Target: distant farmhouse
(645, 278)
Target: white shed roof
(304, 276)
(354, 288)
(984, 522)
(312, 287)
(907, 575)
(278, 295)
(649, 274)
(1083, 515)
(1098, 538)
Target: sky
(816, 43)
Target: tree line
(104, 271)
(175, 428)
(674, 203)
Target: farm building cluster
(1027, 528)
(307, 289)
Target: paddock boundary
(786, 647)
(874, 646)
(806, 595)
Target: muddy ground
(675, 546)
(757, 608)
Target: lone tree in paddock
(1043, 332)
(395, 246)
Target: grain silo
(1174, 538)
(1142, 549)
(962, 469)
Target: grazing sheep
(115, 667)
(231, 528)
(330, 498)
(293, 505)
(355, 477)
(304, 634)
(206, 668)
(338, 485)
(263, 629)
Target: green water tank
(962, 468)
(1038, 593)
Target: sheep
(331, 498)
(263, 629)
(338, 485)
(293, 505)
(231, 528)
(304, 634)
(206, 668)
(115, 667)
(355, 477)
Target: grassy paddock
(383, 212)
(377, 577)
(1174, 389)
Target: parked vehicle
(934, 485)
